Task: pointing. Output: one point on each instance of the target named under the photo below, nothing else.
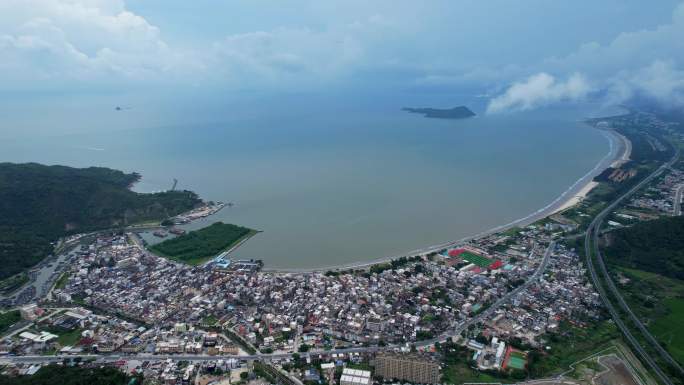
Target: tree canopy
(656, 246)
(196, 246)
(39, 204)
(72, 375)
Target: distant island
(460, 112)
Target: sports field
(516, 360)
(476, 259)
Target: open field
(571, 345)
(659, 302)
(476, 259)
(69, 338)
(62, 281)
(8, 318)
(617, 374)
(670, 328)
(460, 373)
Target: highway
(591, 239)
(501, 301)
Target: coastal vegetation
(39, 204)
(200, 245)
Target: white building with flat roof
(43, 337)
(355, 377)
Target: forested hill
(656, 246)
(39, 204)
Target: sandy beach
(577, 198)
(619, 153)
(625, 151)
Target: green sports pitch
(517, 360)
(476, 259)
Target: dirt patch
(617, 374)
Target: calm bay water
(337, 186)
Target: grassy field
(8, 318)
(476, 259)
(569, 345)
(199, 246)
(69, 337)
(670, 328)
(460, 373)
(62, 281)
(659, 302)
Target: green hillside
(656, 246)
(39, 204)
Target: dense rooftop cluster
(660, 197)
(414, 301)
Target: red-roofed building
(456, 252)
(497, 264)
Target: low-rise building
(420, 369)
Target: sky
(520, 55)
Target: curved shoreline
(617, 151)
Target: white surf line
(604, 162)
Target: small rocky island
(460, 112)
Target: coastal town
(119, 298)
(341, 192)
(497, 297)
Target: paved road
(591, 244)
(491, 309)
(177, 357)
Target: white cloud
(633, 50)
(539, 90)
(59, 42)
(660, 81)
(646, 64)
(102, 41)
(78, 40)
(284, 55)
